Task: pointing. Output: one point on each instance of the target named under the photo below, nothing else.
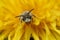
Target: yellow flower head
(45, 26)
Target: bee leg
(20, 20)
(32, 20)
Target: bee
(26, 16)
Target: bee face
(26, 16)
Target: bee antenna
(30, 11)
(17, 16)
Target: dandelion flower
(45, 27)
